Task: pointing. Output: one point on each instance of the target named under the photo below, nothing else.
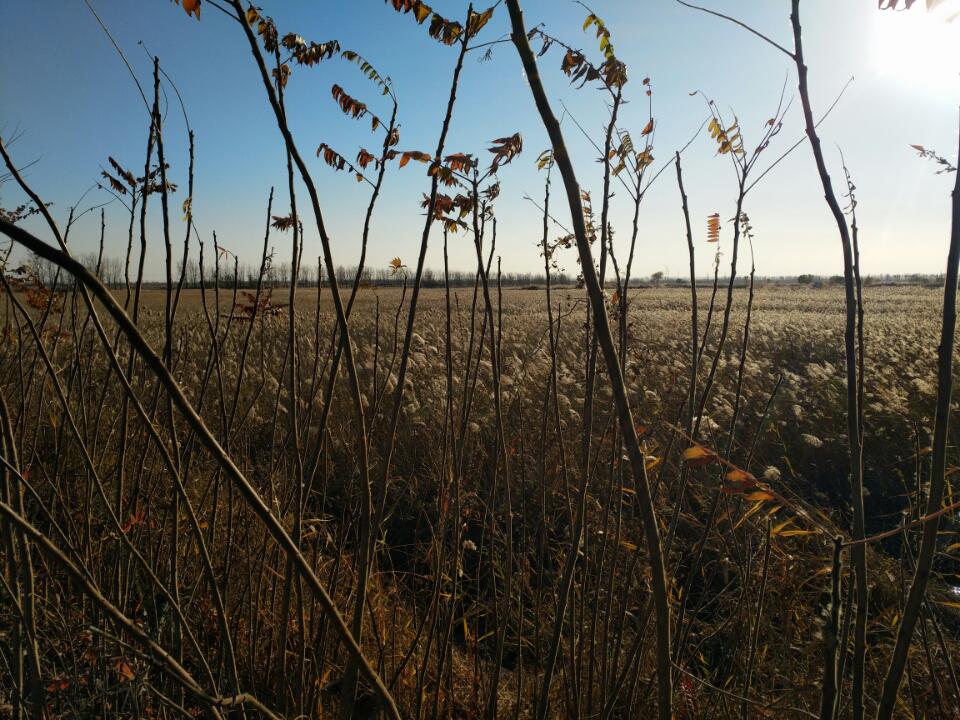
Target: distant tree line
(112, 273)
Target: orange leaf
(713, 228)
(697, 455)
(478, 20)
(417, 155)
(57, 685)
(648, 128)
(192, 7)
(738, 482)
(739, 476)
(124, 671)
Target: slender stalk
(938, 468)
(605, 339)
(855, 447)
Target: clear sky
(64, 86)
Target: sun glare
(919, 48)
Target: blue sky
(63, 85)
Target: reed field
(96, 479)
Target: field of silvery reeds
(440, 593)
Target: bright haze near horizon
(67, 95)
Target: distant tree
(657, 277)
(805, 279)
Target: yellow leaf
(753, 509)
(761, 496)
(644, 158)
(478, 20)
(825, 570)
(797, 533)
(777, 529)
(421, 12)
(545, 158)
(628, 545)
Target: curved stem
(605, 339)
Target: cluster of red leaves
(311, 53)
(445, 207)
(575, 65)
(349, 105)
(302, 52)
(338, 162)
(504, 150)
(124, 181)
(38, 295)
(21, 212)
(440, 29)
(259, 305)
(283, 223)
